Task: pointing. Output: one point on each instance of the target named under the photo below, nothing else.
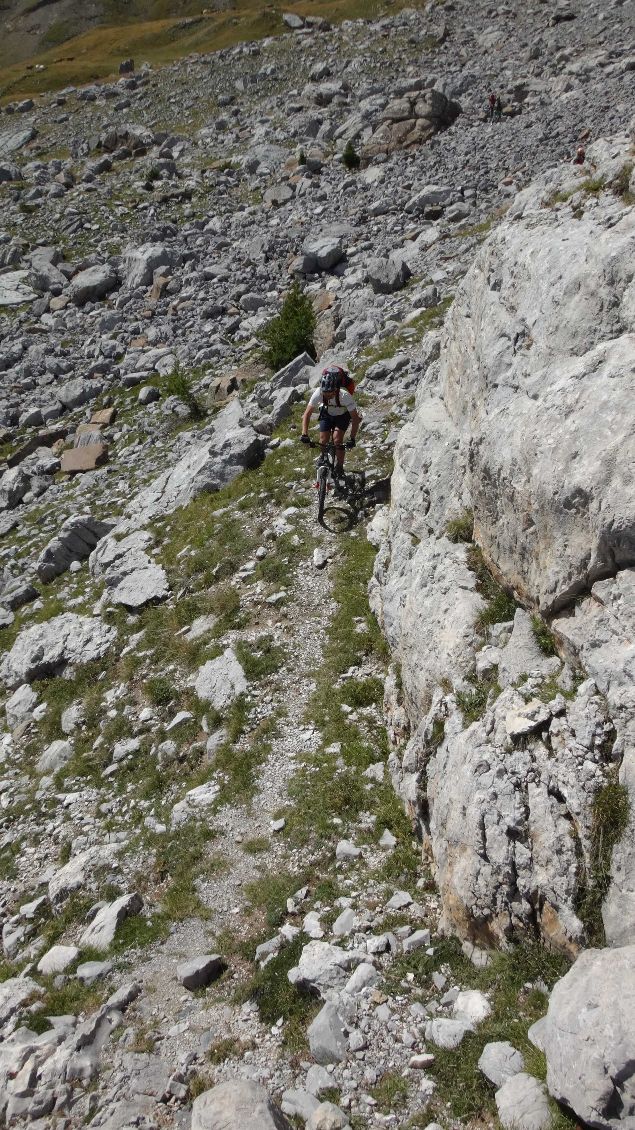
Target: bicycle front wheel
(322, 480)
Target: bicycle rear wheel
(322, 481)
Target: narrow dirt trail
(299, 626)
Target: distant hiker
(491, 102)
(580, 155)
(498, 108)
(337, 410)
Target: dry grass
(95, 54)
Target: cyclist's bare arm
(305, 419)
(355, 422)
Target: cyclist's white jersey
(347, 404)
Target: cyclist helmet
(331, 378)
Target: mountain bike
(350, 486)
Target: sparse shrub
(611, 809)
(228, 1047)
(500, 605)
(199, 1083)
(178, 383)
(460, 528)
(302, 157)
(473, 703)
(350, 156)
(261, 660)
(291, 332)
(363, 692)
(593, 185)
(544, 637)
(160, 690)
(620, 183)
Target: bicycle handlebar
(328, 446)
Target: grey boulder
(100, 934)
(522, 1104)
(324, 967)
(14, 289)
(92, 284)
(237, 1105)
(55, 756)
(323, 251)
(47, 649)
(140, 263)
(197, 972)
(388, 275)
(132, 578)
(220, 681)
(589, 1038)
(14, 139)
(20, 705)
(75, 541)
(14, 484)
(500, 1061)
(327, 1036)
(231, 446)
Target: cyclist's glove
(351, 442)
(305, 439)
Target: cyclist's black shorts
(327, 423)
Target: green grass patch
(257, 845)
(611, 811)
(544, 637)
(391, 1092)
(276, 997)
(261, 659)
(461, 528)
(363, 692)
(406, 336)
(73, 998)
(269, 893)
(473, 703)
(514, 1009)
(500, 605)
(181, 857)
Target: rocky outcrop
(521, 421)
(49, 648)
(589, 1036)
(238, 1103)
(410, 119)
(131, 577)
(231, 447)
(75, 541)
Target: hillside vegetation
(46, 46)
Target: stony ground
(196, 764)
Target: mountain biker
(337, 410)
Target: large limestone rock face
(601, 632)
(589, 1037)
(509, 824)
(522, 417)
(538, 367)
